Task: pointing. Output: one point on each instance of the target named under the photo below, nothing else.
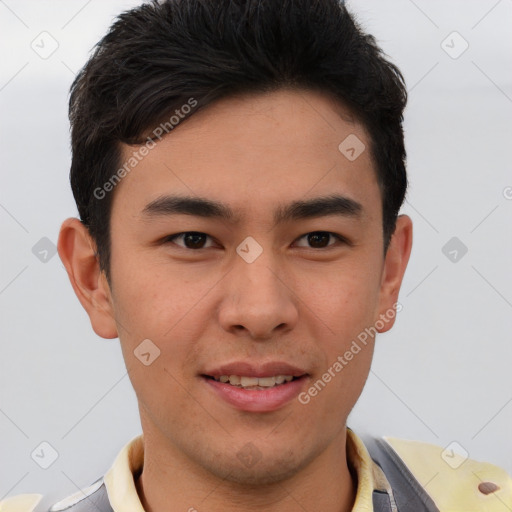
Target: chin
(252, 468)
(258, 477)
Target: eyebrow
(296, 210)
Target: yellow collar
(120, 483)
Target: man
(238, 168)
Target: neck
(170, 482)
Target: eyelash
(339, 238)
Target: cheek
(153, 343)
(346, 356)
(346, 304)
(150, 303)
(344, 298)
(333, 392)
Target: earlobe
(77, 251)
(397, 257)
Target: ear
(395, 263)
(77, 251)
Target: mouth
(252, 388)
(254, 383)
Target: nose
(258, 301)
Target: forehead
(258, 148)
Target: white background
(443, 374)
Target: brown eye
(320, 239)
(190, 239)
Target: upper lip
(247, 369)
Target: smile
(258, 383)
(256, 394)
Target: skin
(297, 302)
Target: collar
(122, 493)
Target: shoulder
(92, 497)
(442, 478)
(20, 503)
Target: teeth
(248, 381)
(254, 382)
(266, 381)
(235, 380)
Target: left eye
(320, 239)
(196, 240)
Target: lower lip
(253, 400)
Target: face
(277, 275)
